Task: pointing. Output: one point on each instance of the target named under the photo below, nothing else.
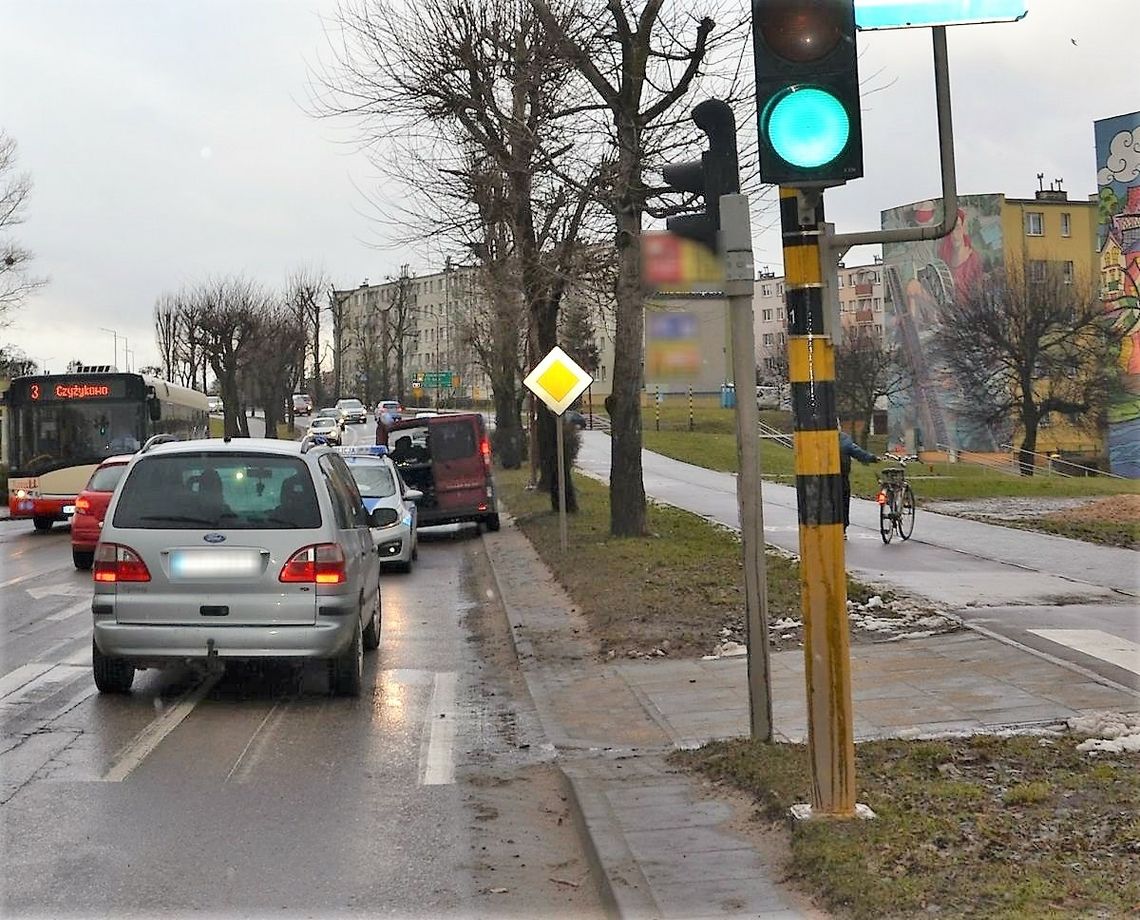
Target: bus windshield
(50, 436)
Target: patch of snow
(1112, 732)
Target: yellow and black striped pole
(819, 493)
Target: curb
(598, 833)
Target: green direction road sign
(433, 380)
(902, 14)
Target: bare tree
(180, 350)
(15, 188)
(1030, 342)
(640, 64)
(498, 96)
(305, 293)
(338, 310)
(400, 325)
(866, 369)
(275, 358)
(229, 316)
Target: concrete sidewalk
(663, 846)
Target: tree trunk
(508, 428)
(1026, 461)
(627, 487)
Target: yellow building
(991, 233)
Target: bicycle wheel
(886, 522)
(906, 513)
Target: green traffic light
(808, 127)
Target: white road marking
(150, 737)
(22, 578)
(64, 590)
(14, 680)
(68, 612)
(437, 764)
(241, 761)
(1121, 652)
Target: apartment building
(861, 303)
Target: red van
(448, 458)
(90, 507)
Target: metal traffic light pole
(724, 226)
(739, 289)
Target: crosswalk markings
(1121, 652)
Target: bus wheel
(82, 558)
(43, 523)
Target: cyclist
(848, 449)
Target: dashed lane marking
(437, 764)
(1105, 646)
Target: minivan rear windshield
(218, 491)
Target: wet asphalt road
(257, 793)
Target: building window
(780, 338)
(1066, 224)
(839, 278)
(766, 290)
(767, 338)
(1067, 272)
(767, 315)
(780, 289)
(1036, 270)
(1034, 223)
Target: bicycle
(896, 500)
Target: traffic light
(807, 91)
(715, 174)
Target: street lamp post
(115, 357)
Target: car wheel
(346, 671)
(491, 522)
(82, 559)
(372, 630)
(43, 523)
(112, 675)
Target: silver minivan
(217, 550)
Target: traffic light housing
(716, 173)
(807, 92)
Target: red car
(90, 506)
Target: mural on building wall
(1118, 183)
(918, 277)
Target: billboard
(1118, 239)
(918, 277)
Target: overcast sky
(167, 143)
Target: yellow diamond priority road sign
(557, 380)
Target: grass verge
(995, 827)
(680, 591)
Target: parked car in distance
(327, 427)
(448, 458)
(386, 495)
(214, 403)
(575, 418)
(302, 403)
(330, 412)
(392, 407)
(353, 411)
(91, 506)
(246, 549)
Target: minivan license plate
(214, 563)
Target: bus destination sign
(44, 390)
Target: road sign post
(558, 380)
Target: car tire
(43, 523)
(346, 671)
(491, 522)
(372, 630)
(112, 675)
(82, 558)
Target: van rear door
(458, 448)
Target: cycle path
(1019, 585)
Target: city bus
(58, 427)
